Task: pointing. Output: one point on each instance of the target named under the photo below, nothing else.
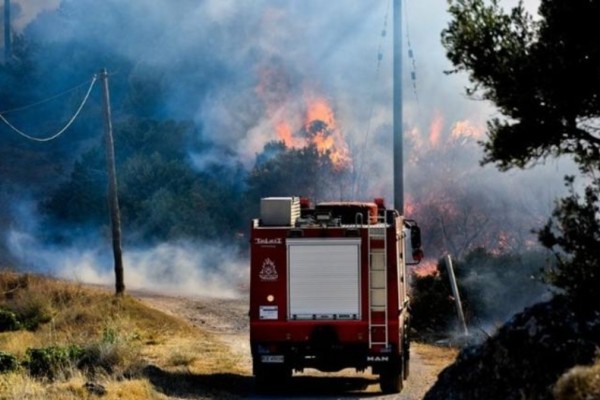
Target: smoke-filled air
(217, 103)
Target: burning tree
(544, 77)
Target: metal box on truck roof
(279, 211)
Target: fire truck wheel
(390, 380)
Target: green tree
(543, 74)
(162, 196)
(575, 230)
(282, 171)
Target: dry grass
(17, 386)
(435, 356)
(123, 335)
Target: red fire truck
(328, 289)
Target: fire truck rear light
(417, 255)
(304, 202)
(270, 298)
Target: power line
(358, 176)
(413, 72)
(60, 132)
(37, 103)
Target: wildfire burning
(457, 205)
(324, 133)
(466, 129)
(301, 122)
(435, 130)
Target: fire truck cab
(328, 289)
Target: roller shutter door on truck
(323, 279)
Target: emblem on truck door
(268, 272)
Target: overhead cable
(358, 176)
(16, 109)
(60, 132)
(411, 56)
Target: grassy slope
(128, 335)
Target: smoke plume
(241, 69)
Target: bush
(113, 354)
(9, 321)
(52, 362)
(8, 362)
(573, 234)
(432, 308)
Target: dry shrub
(18, 342)
(182, 357)
(22, 387)
(18, 386)
(579, 383)
(11, 282)
(116, 359)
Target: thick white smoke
(182, 268)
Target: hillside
(66, 341)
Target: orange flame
(409, 205)
(426, 267)
(324, 133)
(435, 130)
(318, 126)
(320, 110)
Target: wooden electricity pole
(113, 200)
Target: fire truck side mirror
(415, 237)
(413, 241)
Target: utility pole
(7, 41)
(398, 171)
(113, 200)
(455, 293)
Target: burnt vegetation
(491, 287)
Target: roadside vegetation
(520, 63)
(61, 340)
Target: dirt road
(227, 318)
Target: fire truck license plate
(268, 312)
(272, 359)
